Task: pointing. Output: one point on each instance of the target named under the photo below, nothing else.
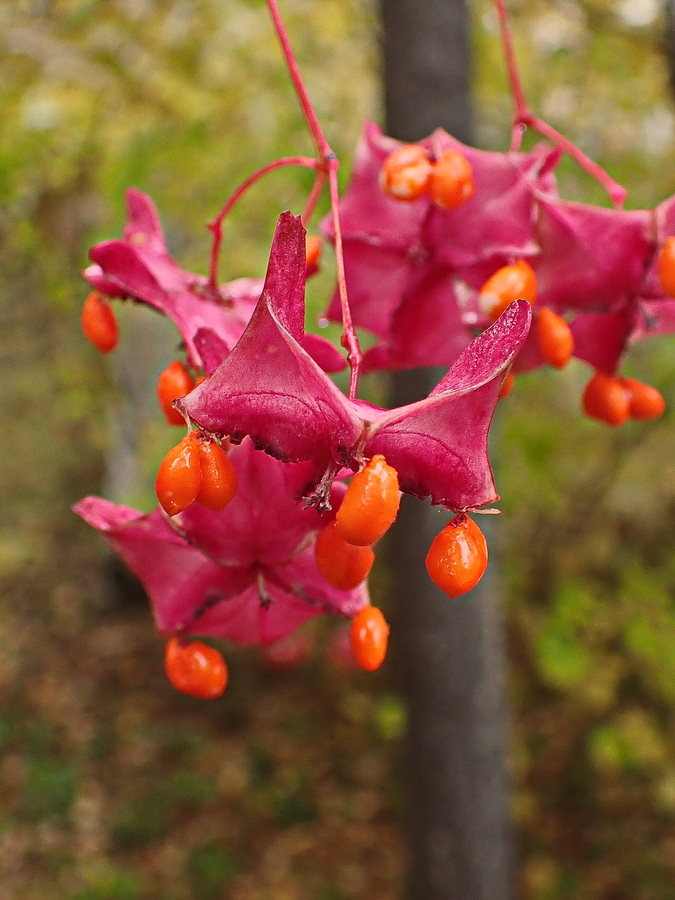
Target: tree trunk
(450, 650)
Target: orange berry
(507, 385)
(99, 323)
(174, 382)
(368, 637)
(514, 282)
(554, 338)
(179, 477)
(195, 669)
(666, 266)
(219, 477)
(405, 173)
(458, 556)
(605, 398)
(371, 503)
(313, 249)
(343, 565)
(451, 181)
(644, 401)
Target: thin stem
(511, 65)
(524, 118)
(349, 339)
(616, 192)
(317, 187)
(328, 165)
(322, 144)
(216, 225)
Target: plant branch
(216, 225)
(326, 166)
(322, 145)
(349, 339)
(524, 118)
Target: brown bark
(450, 650)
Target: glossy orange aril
(179, 477)
(554, 338)
(218, 475)
(371, 503)
(343, 565)
(368, 638)
(665, 266)
(458, 556)
(99, 324)
(606, 399)
(313, 249)
(513, 282)
(451, 181)
(195, 669)
(644, 401)
(405, 173)
(174, 382)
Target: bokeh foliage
(110, 785)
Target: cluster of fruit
(270, 506)
(201, 477)
(413, 171)
(598, 278)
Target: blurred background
(112, 785)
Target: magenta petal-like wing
(178, 577)
(270, 388)
(245, 574)
(592, 259)
(601, 339)
(499, 221)
(126, 267)
(428, 328)
(439, 445)
(264, 523)
(278, 603)
(368, 213)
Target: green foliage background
(110, 786)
